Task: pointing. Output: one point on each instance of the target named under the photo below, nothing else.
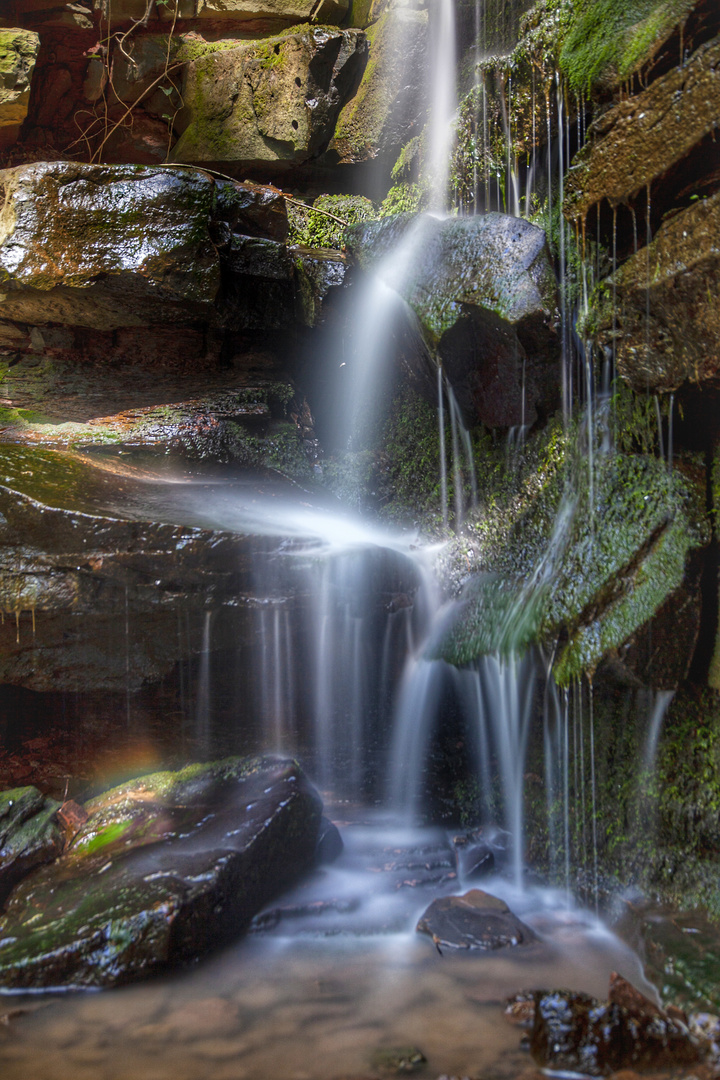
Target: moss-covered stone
(644, 136)
(389, 104)
(274, 101)
(18, 53)
(584, 565)
(607, 42)
(29, 835)
(164, 870)
(317, 230)
(657, 347)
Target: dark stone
(421, 866)
(474, 921)
(329, 844)
(29, 835)
(577, 1033)
(476, 861)
(165, 869)
(484, 292)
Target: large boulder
(666, 321)
(18, 53)
(106, 246)
(271, 104)
(165, 869)
(484, 292)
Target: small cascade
(658, 712)
(202, 705)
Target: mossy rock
(590, 568)
(164, 870)
(30, 835)
(390, 101)
(250, 104)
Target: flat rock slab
(476, 921)
(165, 869)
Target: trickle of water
(202, 706)
(443, 455)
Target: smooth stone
(476, 921)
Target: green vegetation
(608, 40)
(317, 230)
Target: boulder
(165, 869)
(573, 1032)
(389, 106)
(106, 246)
(271, 104)
(18, 53)
(644, 136)
(475, 921)
(29, 835)
(666, 322)
(484, 292)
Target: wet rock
(575, 1032)
(268, 921)
(320, 275)
(18, 53)
(106, 246)
(420, 866)
(476, 921)
(520, 1009)
(483, 290)
(388, 108)
(272, 103)
(329, 844)
(165, 869)
(644, 136)
(658, 346)
(29, 835)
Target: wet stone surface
(476, 921)
(165, 869)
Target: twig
(234, 180)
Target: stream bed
(334, 983)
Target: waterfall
(443, 103)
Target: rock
(18, 53)
(646, 135)
(476, 921)
(329, 843)
(677, 274)
(320, 275)
(330, 12)
(642, 525)
(577, 1033)
(389, 106)
(165, 869)
(106, 246)
(29, 835)
(476, 861)
(484, 292)
(271, 104)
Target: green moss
(316, 230)
(609, 39)
(403, 199)
(109, 834)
